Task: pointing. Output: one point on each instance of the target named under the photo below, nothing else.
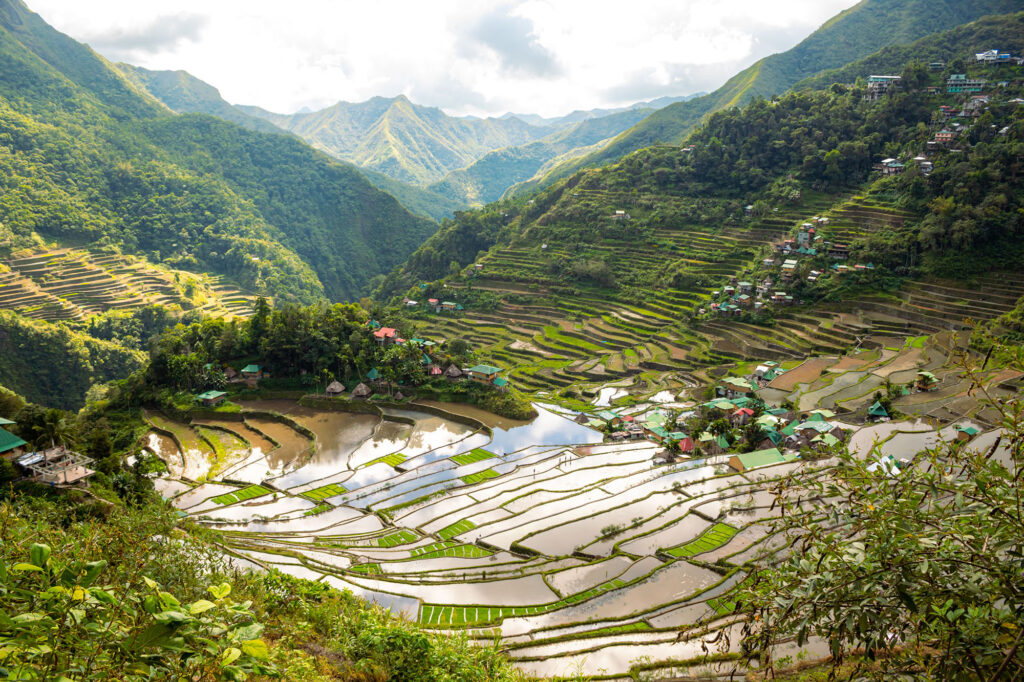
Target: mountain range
(91, 158)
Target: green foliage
(919, 568)
(85, 157)
(311, 632)
(53, 365)
(61, 622)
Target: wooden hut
(453, 373)
(335, 388)
(362, 391)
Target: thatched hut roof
(335, 388)
(453, 372)
(362, 391)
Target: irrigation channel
(578, 556)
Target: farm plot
(474, 455)
(713, 538)
(242, 495)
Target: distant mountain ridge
(586, 114)
(406, 141)
(852, 34)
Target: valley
(712, 387)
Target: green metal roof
(373, 374)
(760, 458)
(877, 410)
(500, 382)
(607, 415)
(210, 395)
(5, 422)
(485, 369)
(8, 441)
(251, 368)
(969, 430)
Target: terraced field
(555, 338)
(66, 284)
(572, 554)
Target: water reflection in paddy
(547, 429)
(166, 449)
(389, 437)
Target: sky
(468, 57)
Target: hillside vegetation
(53, 365)
(851, 35)
(86, 157)
(569, 290)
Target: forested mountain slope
(405, 141)
(488, 178)
(55, 366)
(87, 158)
(851, 35)
(622, 269)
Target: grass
(402, 537)
(449, 549)
(242, 495)
(916, 342)
(319, 509)
(474, 455)
(323, 492)
(480, 476)
(443, 614)
(457, 528)
(392, 460)
(713, 538)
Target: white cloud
(465, 56)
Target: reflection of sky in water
(547, 429)
(477, 440)
(606, 395)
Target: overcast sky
(481, 57)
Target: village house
(252, 372)
(965, 433)
(993, 57)
(877, 412)
(621, 215)
(926, 381)
(741, 417)
(960, 83)
(10, 445)
(879, 85)
(759, 458)
(386, 336)
(485, 374)
(734, 387)
(946, 111)
(944, 136)
(211, 398)
(936, 66)
(891, 167)
(453, 373)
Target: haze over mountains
(434, 163)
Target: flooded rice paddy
(536, 530)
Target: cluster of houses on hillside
(435, 305)
(784, 433)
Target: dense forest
(86, 158)
(53, 365)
